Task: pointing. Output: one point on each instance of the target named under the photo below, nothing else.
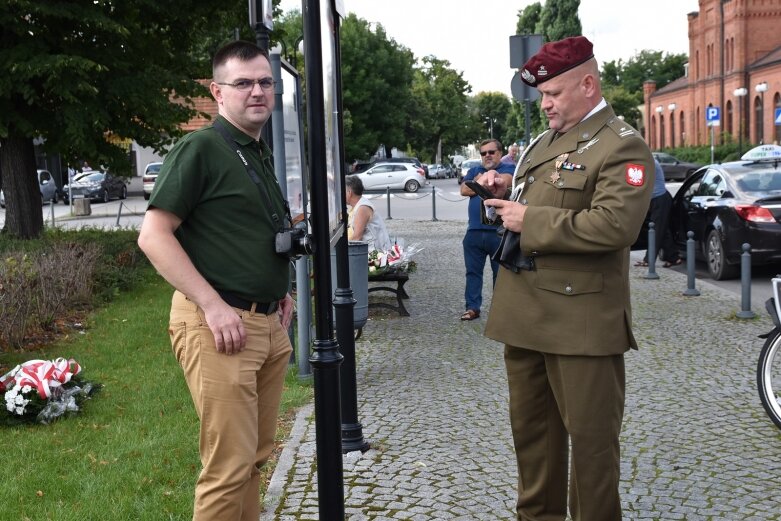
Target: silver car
(404, 176)
(46, 184)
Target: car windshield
(153, 169)
(89, 177)
(471, 163)
(753, 179)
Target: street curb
(276, 487)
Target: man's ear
(216, 92)
(588, 84)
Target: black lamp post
(326, 359)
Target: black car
(96, 185)
(728, 205)
(674, 169)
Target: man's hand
(225, 324)
(286, 307)
(511, 213)
(495, 182)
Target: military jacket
(587, 193)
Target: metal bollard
(745, 283)
(433, 203)
(51, 203)
(651, 253)
(387, 193)
(119, 213)
(690, 245)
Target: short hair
(354, 183)
(491, 140)
(239, 49)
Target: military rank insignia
(635, 174)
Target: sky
(474, 36)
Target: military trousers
(557, 401)
(237, 399)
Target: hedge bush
(63, 271)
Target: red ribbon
(43, 375)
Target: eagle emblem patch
(635, 174)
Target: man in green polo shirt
(209, 231)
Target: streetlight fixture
(671, 108)
(490, 121)
(740, 94)
(761, 88)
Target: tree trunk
(23, 213)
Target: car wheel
(106, 197)
(717, 259)
(146, 196)
(123, 193)
(55, 199)
(411, 186)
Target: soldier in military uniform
(561, 304)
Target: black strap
(220, 128)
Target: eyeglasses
(245, 85)
(486, 152)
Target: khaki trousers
(556, 400)
(237, 400)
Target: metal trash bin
(358, 258)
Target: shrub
(42, 279)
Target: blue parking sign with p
(777, 117)
(712, 116)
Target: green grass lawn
(132, 453)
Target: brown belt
(237, 302)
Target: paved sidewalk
(432, 397)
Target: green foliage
(65, 269)
(559, 19)
(528, 18)
(377, 87)
(645, 65)
(496, 106)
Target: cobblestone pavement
(432, 395)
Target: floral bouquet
(41, 391)
(398, 258)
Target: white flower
(20, 410)
(20, 399)
(26, 389)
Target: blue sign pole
(712, 119)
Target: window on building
(777, 105)
(758, 120)
(682, 129)
(661, 132)
(728, 118)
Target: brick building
(734, 64)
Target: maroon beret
(553, 58)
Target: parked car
(95, 185)
(465, 167)
(150, 176)
(49, 191)
(729, 204)
(437, 171)
(675, 170)
(393, 175)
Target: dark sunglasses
(485, 152)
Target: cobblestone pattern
(432, 397)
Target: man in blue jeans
(481, 240)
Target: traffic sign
(778, 116)
(713, 116)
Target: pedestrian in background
(481, 239)
(561, 304)
(659, 214)
(210, 231)
(512, 155)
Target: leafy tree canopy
(559, 19)
(645, 65)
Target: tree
(376, 84)
(493, 106)
(438, 113)
(645, 65)
(78, 75)
(528, 18)
(559, 19)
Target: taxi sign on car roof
(763, 152)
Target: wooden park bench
(400, 278)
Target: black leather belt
(237, 302)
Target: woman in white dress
(363, 222)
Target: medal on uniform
(559, 163)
